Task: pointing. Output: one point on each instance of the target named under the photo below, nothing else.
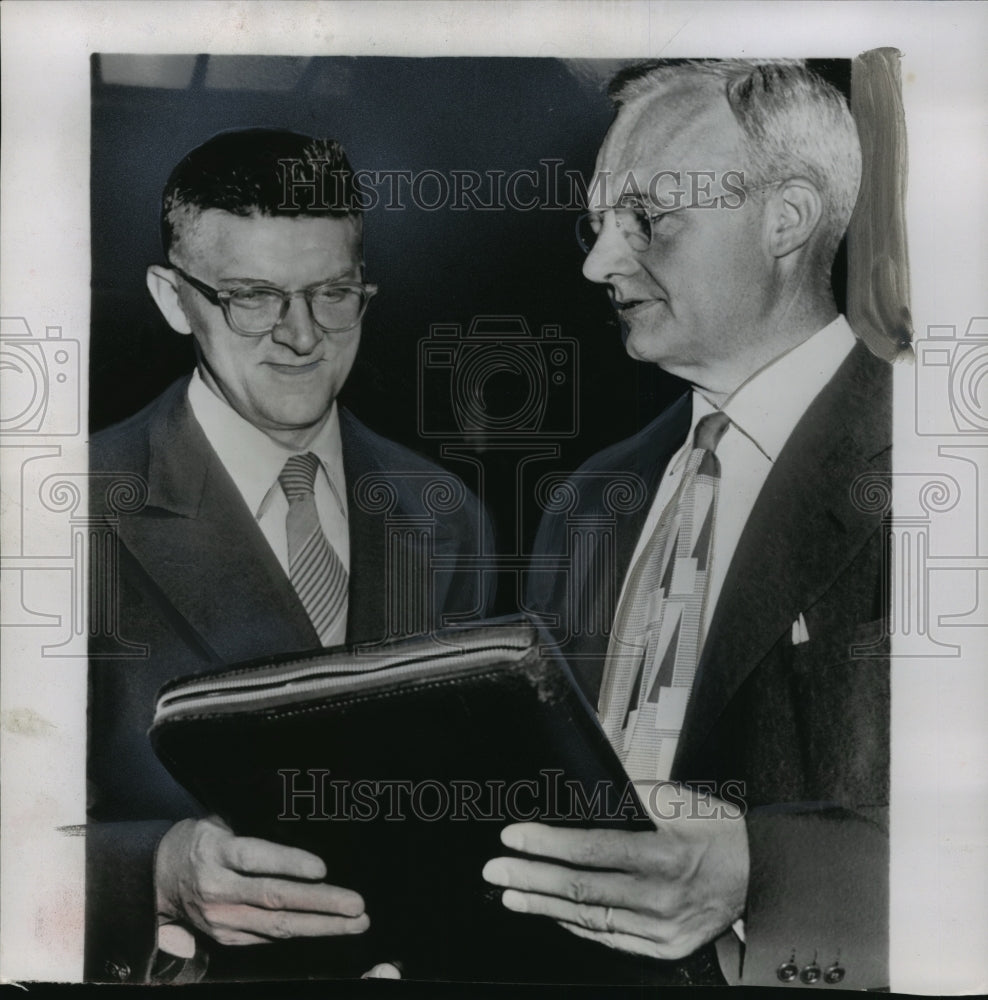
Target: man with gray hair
(741, 673)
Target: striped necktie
(655, 641)
(315, 569)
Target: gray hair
(793, 124)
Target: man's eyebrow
(246, 281)
(347, 274)
(645, 204)
(626, 201)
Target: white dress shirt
(763, 412)
(255, 460)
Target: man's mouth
(627, 307)
(296, 369)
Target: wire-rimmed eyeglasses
(634, 221)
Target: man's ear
(161, 285)
(795, 210)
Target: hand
(660, 893)
(240, 890)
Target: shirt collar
(255, 460)
(768, 406)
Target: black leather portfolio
(399, 765)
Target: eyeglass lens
(633, 222)
(258, 310)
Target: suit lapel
(368, 604)
(202, 547)
(802, 531)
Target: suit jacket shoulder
(125, 446)
(374, 450)
(646, 452)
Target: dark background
(442, 266)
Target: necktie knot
(298, 477)
(710, 430)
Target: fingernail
(494, 871)
(515, 901)
(359, 925)
(383, 971)
(352, 906)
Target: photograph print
(490, 461)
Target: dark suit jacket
(197, 584)
(804, 727)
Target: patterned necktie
(654, 644)
(315, 569)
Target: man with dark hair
(745, 643)
(253, 538)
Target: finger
(311, 897)
(590, 916)
(385, 970)
(252, 856)
(623, 942)
(579, 885)
(277, 925)
(235, 938)
(615, 849)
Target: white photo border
(939, 737)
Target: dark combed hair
(243, 172)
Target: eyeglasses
(637, 223)
(634, 221)
(255, 310)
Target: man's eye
(331, 296)
(255, 298)
(665, 222)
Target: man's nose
(298, 330)
(611, 255)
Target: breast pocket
(863, 641)
(841, 691)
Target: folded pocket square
(800, 633)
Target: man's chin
(640, 327)
(643, 343)
(296, 428)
